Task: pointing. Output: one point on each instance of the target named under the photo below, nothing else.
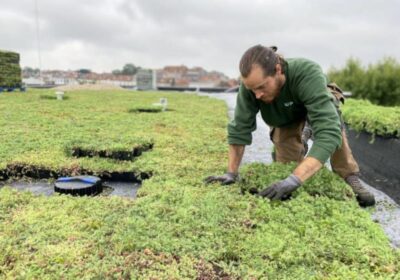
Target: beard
(270, 97)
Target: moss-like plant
(257, 176)
(52, 97)
(361, 115)
(177, 227)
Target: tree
(84, 71)
(117, 72)
(28, 69)
(30, 72)
(130, 69)
(379, 82)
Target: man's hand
(281, 189)
(226, 179)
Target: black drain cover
(79, 185)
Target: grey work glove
(226, 179)
(281, 189)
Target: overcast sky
(103, 35)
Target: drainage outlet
(79, 185)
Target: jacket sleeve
(244, 121)
(321, 112)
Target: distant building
(31, 81)
(169, 76)
(182, 76)
(57, 77)
(117, 80)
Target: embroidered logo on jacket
(288, 104)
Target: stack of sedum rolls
(10, 71)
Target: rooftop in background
(169, 76)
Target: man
(289, 92)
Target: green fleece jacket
(304, 95)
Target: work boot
(364, 197)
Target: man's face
(264, 88)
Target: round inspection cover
(78, 185)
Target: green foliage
(325, 183)
(130, 69)
(9, 57)
(127, 69)
(10, 71)
(47, 128)
(84, 71)
(52, 97)
(31, 72)
(116, 72)
(379, 83)
(177, 228)
(361, 115)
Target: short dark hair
(265, 57)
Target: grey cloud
(103, 35)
